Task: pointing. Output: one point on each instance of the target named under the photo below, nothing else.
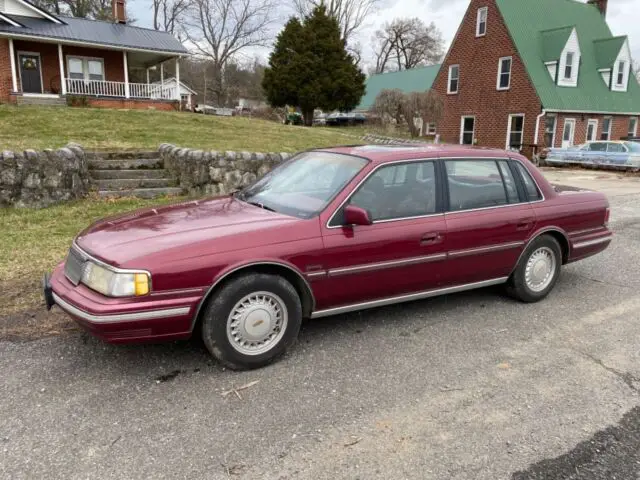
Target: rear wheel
(252, 320)
(537, 271)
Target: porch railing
(105, 88)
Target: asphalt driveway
(467, 386)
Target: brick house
(45, 56)
(529, 73)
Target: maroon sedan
(330, 231)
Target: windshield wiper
(261, 205)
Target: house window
(550, 130)
(467, 130)
(515, 131)
(431, 128)
(83, 68)
(620, 78)
(481, 22)
(454, 75)
(592, 130)
(504, 73)
(606, 129)
(633, 127)
(568, 67)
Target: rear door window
(475, 184)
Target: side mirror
(354, 215)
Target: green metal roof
(553, 42)
(526, 19)
(606, 51)
(413, 80)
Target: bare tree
(222, 29)
(407, 43)
(351, 14)
(168, 15)
(426, 106)
(388, 105)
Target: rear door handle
(430, 238)
(524, 224)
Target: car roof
(381, 153)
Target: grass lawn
(34, 241)
(52, 127)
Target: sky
(622, 16)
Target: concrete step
(52, 101)
(132, 183)
(141, 192)
(126, 163)
(129, 174)
(121, 154)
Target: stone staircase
(51, 101)
(130, 174)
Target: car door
(402, 251)
(487, 219)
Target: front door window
(567, 133)
(30, 73)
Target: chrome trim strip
(88, 256)
(406, 298)
(595, 241)
(119, 317)
(178, 291)
(370, 267)
(490, 248)
(386, 164)
(576, 233)
(248, 265)
(318, 274)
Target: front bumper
(154, 317)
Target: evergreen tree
(311, 68)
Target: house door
(30, 75)
(568, 132)
(467, 130)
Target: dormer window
(481, 22)
(568, 67)
(620, 76)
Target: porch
(123, 77)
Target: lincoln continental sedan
(329, 231)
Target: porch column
(148, 82)
(178, 80)
(161, 74)
(14, 78)
(126, 74)
(63, 81)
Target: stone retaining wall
(216, 173)
(40, 179)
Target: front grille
(74, 266)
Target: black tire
(517, 286)
(216, 315)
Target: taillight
(607, 212)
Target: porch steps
(130, 174)
(47, 101)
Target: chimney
(600, 5)
(119, 11)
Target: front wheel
(252, 320)
(537, 271)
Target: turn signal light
(141, 283)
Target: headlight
(114, 284)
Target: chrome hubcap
(540, 269)
(257, 323)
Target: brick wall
(619, 127)
(5, 71)
(477, 94)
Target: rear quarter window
(529, 184)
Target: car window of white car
(598, 147)
(616, 148)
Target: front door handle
(430, 238)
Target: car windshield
(303, 186)
(633, 146)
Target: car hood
(190, 228)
